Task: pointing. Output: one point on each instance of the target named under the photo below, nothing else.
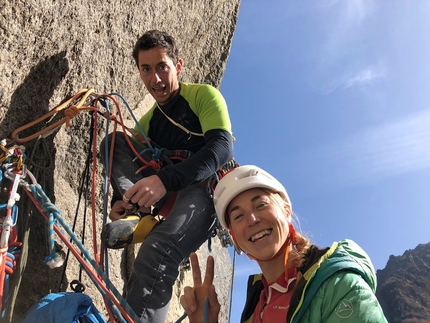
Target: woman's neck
(272, 269)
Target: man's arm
(217, 151)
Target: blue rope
(54, 259)
(157, 153)
(140, 130)
(14, 213)
(206, 310)
(210, 244)
(182, 318)
(46, 204)
(105, 186)
(206, 313)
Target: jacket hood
(321, 264)
(349, 249)
(342, 255)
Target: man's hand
(146, 192)
(119, 210)
(194, 298)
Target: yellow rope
(70, 113)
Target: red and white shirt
(275, 299)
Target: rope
(136, 122)
(84, 178)
(153, 163)
(54, 260)
(205, 311)
(44, 204)
(232, 286)
(70, 113)
(182, 318)
(9, 245)
(108, 158)
(52, 214)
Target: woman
(300, 282)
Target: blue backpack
(64, 308)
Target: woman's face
(259, 223)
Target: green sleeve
(209, 106)
(344, 297)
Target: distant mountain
(404, 286)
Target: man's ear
(179, 66)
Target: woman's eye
(237, 217)
(261, 205)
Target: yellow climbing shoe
(128, 230)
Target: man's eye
(145, 69)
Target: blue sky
(333, 98)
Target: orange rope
(70, 113)
(151, 163)
(94, 187)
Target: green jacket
(338, 285)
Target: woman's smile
(260, 235)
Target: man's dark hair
(155, 38)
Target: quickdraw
(10, 247)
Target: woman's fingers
(209, 275)
(194, 298)
(195, 267)
(188, 300)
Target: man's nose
(156, 77)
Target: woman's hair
(302, 244)
(156, 39)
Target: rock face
(49, 51)
(404, 286)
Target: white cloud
(343, 28)
(366, 76)
(352, 11)
(344, 42)
(392, 149)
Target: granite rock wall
(49, 51)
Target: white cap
(239, 180)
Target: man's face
(159, 74)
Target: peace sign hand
(194, 298)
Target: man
(190, 117)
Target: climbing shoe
(128, 230)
